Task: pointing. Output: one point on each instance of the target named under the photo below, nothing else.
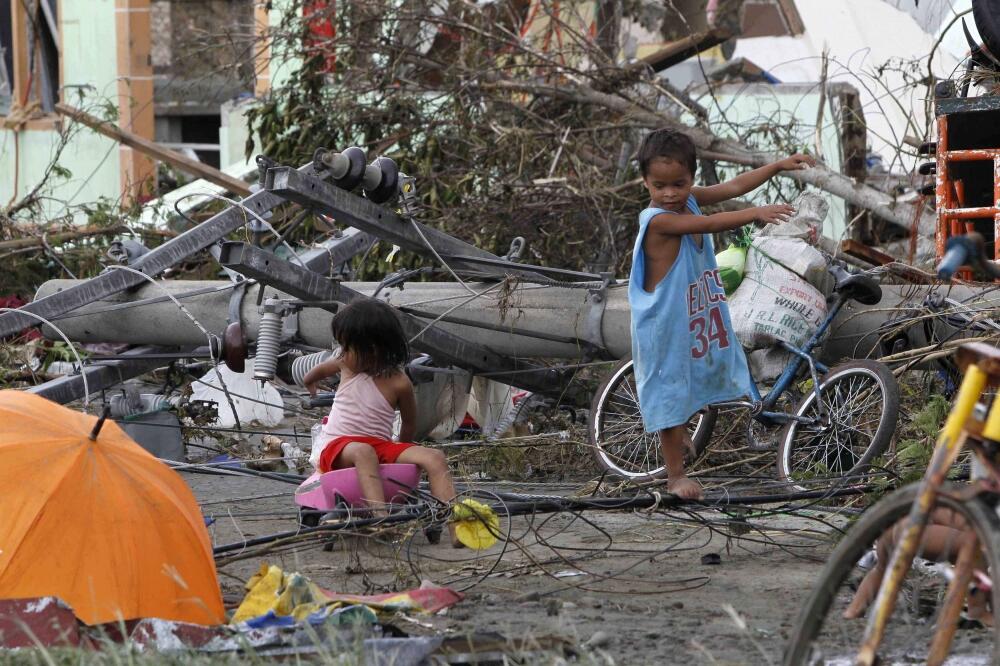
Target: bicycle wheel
(822, 635)
(616, 433)
(855, 423)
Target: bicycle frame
(803, 355)
(949, 444)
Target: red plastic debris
(42, 621)
(15, 301)
(165, 635)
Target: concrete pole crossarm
(445, 347)
(155, 262)
(347, 208)
(335, 251)
(99, 376)
(358, 212)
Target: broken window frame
(6, 59)
(35, 55)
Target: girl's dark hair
(668, 144)
(371, 330)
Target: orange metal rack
(952, 215)
(968, 131)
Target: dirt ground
(600, 587)
(630, 586)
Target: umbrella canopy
(100, 522)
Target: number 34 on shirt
(705, 297)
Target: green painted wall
(738, 108)
(283, 63)
(89, 58)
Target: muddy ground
(630, 585)
(622, 587)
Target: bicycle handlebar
(953, 259)
(970, 250)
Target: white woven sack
(773, 305)
(794, 254)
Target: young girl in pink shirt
(373, 387)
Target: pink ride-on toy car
(340, 488)
(338, 492)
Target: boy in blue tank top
(685, 351)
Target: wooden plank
(792, 17)
(877, 258)
(156, 151)
(682, 49)
(869, 254)
(19, 39)
(64, 236)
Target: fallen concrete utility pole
(550, 322)
(445, 348)
(546, 322)
(341, 205)
(154, 150)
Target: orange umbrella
(97, 521)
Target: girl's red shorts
(386, 450)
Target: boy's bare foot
(685, 488)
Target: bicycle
(924, 522)
(831, 431)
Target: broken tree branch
(155, 150)
(837, 184)
(86, 232)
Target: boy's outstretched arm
(671, 224)
(319, 373)
(749, 181)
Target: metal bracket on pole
(593, 319)
(236, 302)
(447, 348)
(335, 251)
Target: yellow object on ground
(272, 590)
(476, 525)
(286, 594)
(99, 523)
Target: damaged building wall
(202, 59)
(29, 139)
(118, 85)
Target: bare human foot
(685, 488)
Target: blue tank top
(685, 350)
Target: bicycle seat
(860, 288)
